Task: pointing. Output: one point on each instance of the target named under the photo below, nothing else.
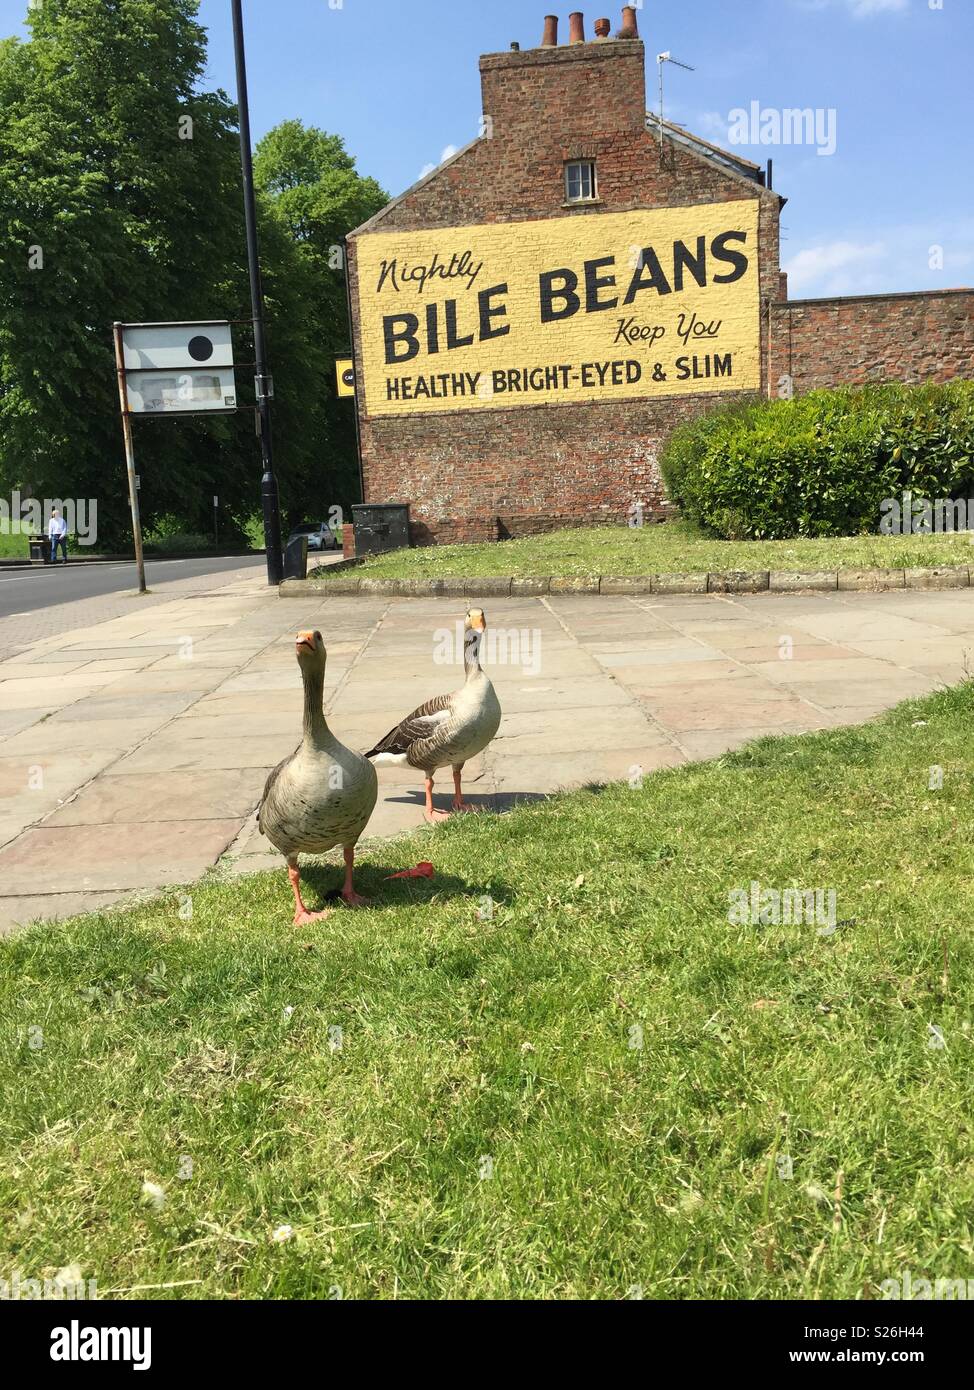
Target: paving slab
(773, 712)
(153, 764)
(37, 671)
(12, 721)
(90, 858)
(220, 794)
(863, 694)
(82, 736)
(529, 775)
(31, 784)
(30, 694)
(124, 708)
(201, 754)
(150, 682)
(684, 668)
(18, 912)
(785, 649)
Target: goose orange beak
(306, 639)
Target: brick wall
(893, 337)
(483, 474)
(480, 474)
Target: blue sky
(398, 79)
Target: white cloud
(910, 256)
(448, 153)
(836, 267)
(712, 126)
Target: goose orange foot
(301, 914)
(431, 814)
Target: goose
(449, 729)
(323, 794)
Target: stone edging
(726, 582)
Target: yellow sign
(601, 307)
(345, 376)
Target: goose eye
(317, 636)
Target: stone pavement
(133, 750)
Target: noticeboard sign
(178, 368)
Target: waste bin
(39, 548)
(380, 526)
(296, 558)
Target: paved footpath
(133, 749)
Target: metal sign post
(263, 382)
(129, 455)
(182, 368)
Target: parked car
(319, 533)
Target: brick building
(533, 318)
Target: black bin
(380, 526)
(296, 558)
(39, 549)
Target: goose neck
(315, 725)
(471, 659)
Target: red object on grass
(424, 870)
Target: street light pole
(264, 384)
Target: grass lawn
(673, 547)
(13, 547)
(494, 1124)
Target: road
(25, 591)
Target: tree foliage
(120, 199)
(314, 193)
(821, 464)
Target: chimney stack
(550, 39)
(629, 28)
(576, 27)
(602, 28)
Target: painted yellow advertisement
(609, 306)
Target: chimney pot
(550, 39)
(602, 28)
(576, 27)
(630, 29)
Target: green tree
(119, 199)
(310, 185)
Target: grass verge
(672, 547)
(596, 1084)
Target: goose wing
(416, 726)
(272, 777)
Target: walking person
(57, 531)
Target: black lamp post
(264, 384)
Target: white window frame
(591, 177)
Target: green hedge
(820, 465)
